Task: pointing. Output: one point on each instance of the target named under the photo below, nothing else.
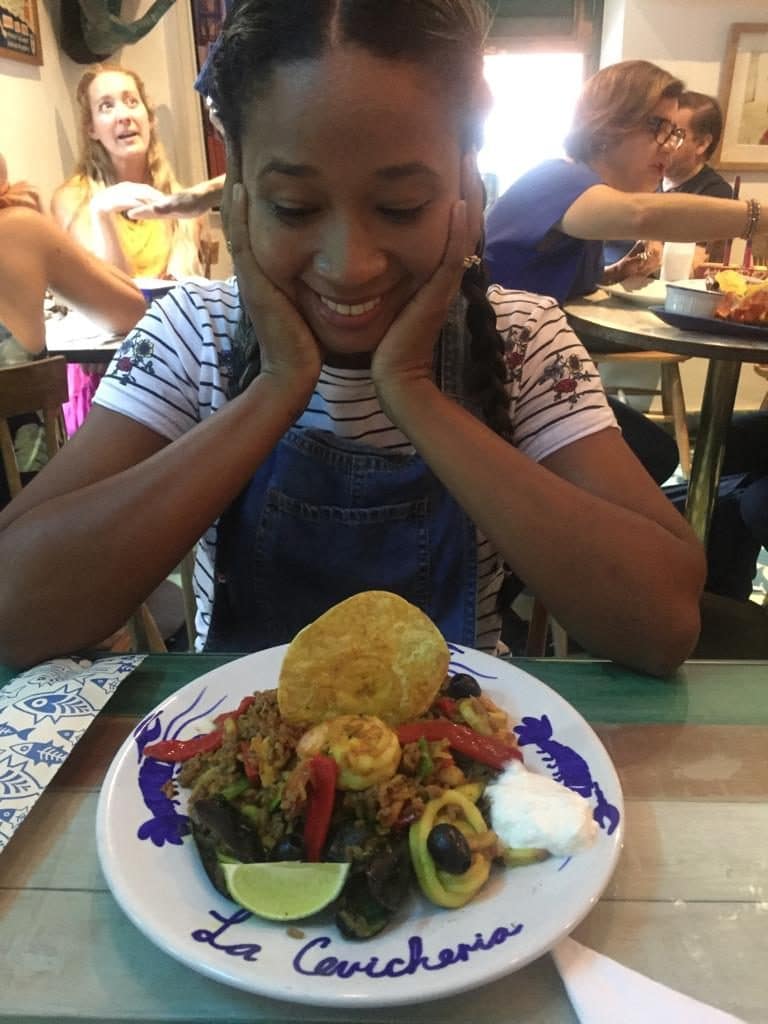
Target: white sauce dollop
(533, 811)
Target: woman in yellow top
(122, 166)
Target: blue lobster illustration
(166, 825)
(567, 767)
(155, 779)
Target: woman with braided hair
(355, 410)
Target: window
(533, 99)
(539, 53)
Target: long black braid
(487, 370)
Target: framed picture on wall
(744, 98)
(207, 19)
(20, 32)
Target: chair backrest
(41, 387)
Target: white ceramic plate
(425, 952)
(642, 291)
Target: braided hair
(445, 38)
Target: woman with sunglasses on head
(546, 232)
(357, 410)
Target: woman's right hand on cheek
(290, 354)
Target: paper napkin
(602, 991)
(43, 713)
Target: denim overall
(324, 518)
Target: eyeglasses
(666, 132)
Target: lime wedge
(285, 890)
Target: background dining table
(687, 906)
(79, 340)
(602, 318)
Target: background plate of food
(712, 324)
(642, 291)
(155, 872)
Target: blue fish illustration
(15, 781)
(64, 702)
(8, 730)
(569, 767)
(8, 813)
(41, 753)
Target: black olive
(290, 847)
(463, 685)
(449, 849)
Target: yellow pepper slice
(441, 887)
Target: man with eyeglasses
(701, 121)
(699, 127)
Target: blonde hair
(616, 101)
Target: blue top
(523, 249)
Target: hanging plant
(91, 30)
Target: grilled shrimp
(366, 750)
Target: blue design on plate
(459, 666)
(569, 767)
(156, 779)
(309, 963)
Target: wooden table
(601, 318)
(687, 906)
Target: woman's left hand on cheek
(406, 350)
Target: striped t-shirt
(172, 371)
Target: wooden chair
(41, 387)
(540, 626)
(672, 399)
(762, 370)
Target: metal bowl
(690, 298)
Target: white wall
(689, 39)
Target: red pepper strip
(486, 749)
(447, 705)
(182, 750)
(250, 763)
(323, 772)
(244, 704)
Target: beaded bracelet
(753, 219)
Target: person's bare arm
(35, 254)
(603, 212)
(109, 517)
(588, 530)
(119, 506)
(189, 202)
